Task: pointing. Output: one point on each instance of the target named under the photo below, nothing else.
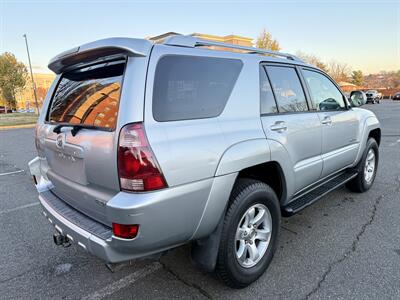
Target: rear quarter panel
(190, 150)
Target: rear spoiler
(99, 51)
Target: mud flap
(204, 251)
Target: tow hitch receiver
(60, 239)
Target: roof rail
(192, 42)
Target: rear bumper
(88, 241)
(166, 218)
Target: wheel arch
(243, 160)
(370, 128)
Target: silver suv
(145, 147)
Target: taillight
(125, 231)
(137, 166)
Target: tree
(357, 78)
(338, 71)
(265, 41)
(12, 78)
(312, 60)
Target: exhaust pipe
(61, 240)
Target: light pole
(30, 67)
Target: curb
(17, 126)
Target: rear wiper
(75, 128)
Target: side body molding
(243, 155)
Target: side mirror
(355, 102)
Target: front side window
(88, 96)
(287, 88)
(267, 101)
(192, 87)
(324, 94)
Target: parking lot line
(18, 208)
(123, 282)
(10, 173)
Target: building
(347, 86)
(25, 98)
(229, 39)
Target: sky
(363, 34)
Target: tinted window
(324, 94)
(189, 87)
(88, 96)
(268, 104)
(287, 88)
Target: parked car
(358, 98)
(373, 96)
(145, 147)
(3, 110)
(396, 96)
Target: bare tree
(339, 71)
(312, 60)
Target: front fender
(370, 123)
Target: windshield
(89, 96)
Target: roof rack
(192, 42)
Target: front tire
(366, 168)
(250, 233)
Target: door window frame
(264, 65)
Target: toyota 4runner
(145, 147)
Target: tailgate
(78, 130)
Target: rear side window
(89, 96)
(192, 87)
(288, 91)
(268, 105)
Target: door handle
(326, 120)
(279, 126)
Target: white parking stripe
(123, 282)
(10, 173)
(396, 142)
(18, 208)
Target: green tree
(267, 42)
(357, 78)
(12, 78)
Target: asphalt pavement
(346, 246)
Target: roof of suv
(142, 47)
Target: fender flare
(243, 155)
(204, 250)
(370, 124)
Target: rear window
(192, 87)
(89, 96)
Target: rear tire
(253, 208)
(366, 168)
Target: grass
(17, 119)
